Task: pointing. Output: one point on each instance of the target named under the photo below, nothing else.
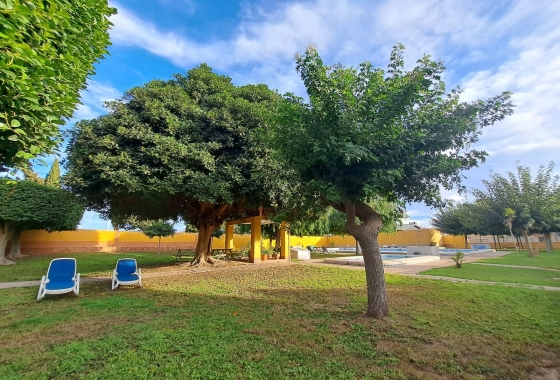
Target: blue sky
(487, 46)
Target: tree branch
(351, 225)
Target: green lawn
(544, 260)
(88, 264)
(277, 322)
(499, 274)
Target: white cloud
(348, 31)
(488, 47)
(93, 98)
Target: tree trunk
(159, 245)
(466, 241)
(548, 241)
(366, 234)
(495, 243)
(378, 305)
(526, 238)
(206, 217)
(15, 251)
(203, 253)
(5, 232)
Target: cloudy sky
(487, 46)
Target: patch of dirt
(545, 374)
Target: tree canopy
(159, 228)
(183, 148)
(532, 205)
(47, 50)
(368, 132)
(26, 205)
(53, 176)
(468, 218)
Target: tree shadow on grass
(254, 325)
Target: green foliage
(468, 218)
(53, 177)
(525, 203)
(331, 221)
(27, 205)
(183, 148)
(370, 132)
(458, 259)
(30, 175)
(158, 228)
(47, 50)
(218, 233)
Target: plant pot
(275, 256)
(264, 257)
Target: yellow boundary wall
(36, 242)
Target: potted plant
(265, 253)
(276, 253)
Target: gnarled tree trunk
(15, 251)
(5, 235)
(210, 217)
(366, 234)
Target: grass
(499, 274)
(89, 264)
(267, 322)
(544, 260)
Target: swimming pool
(442, 251)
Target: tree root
(201, 261)
(4, 261)
(20, 256)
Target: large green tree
(449, 220)
(185, 148)
(468, 218)
(26, 205)
(368, 132)
(47, 50)
(531, 205)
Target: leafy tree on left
(47, 50)
(27, 205)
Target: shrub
(458, 258)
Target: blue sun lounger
(61, 278)
(126, 273)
